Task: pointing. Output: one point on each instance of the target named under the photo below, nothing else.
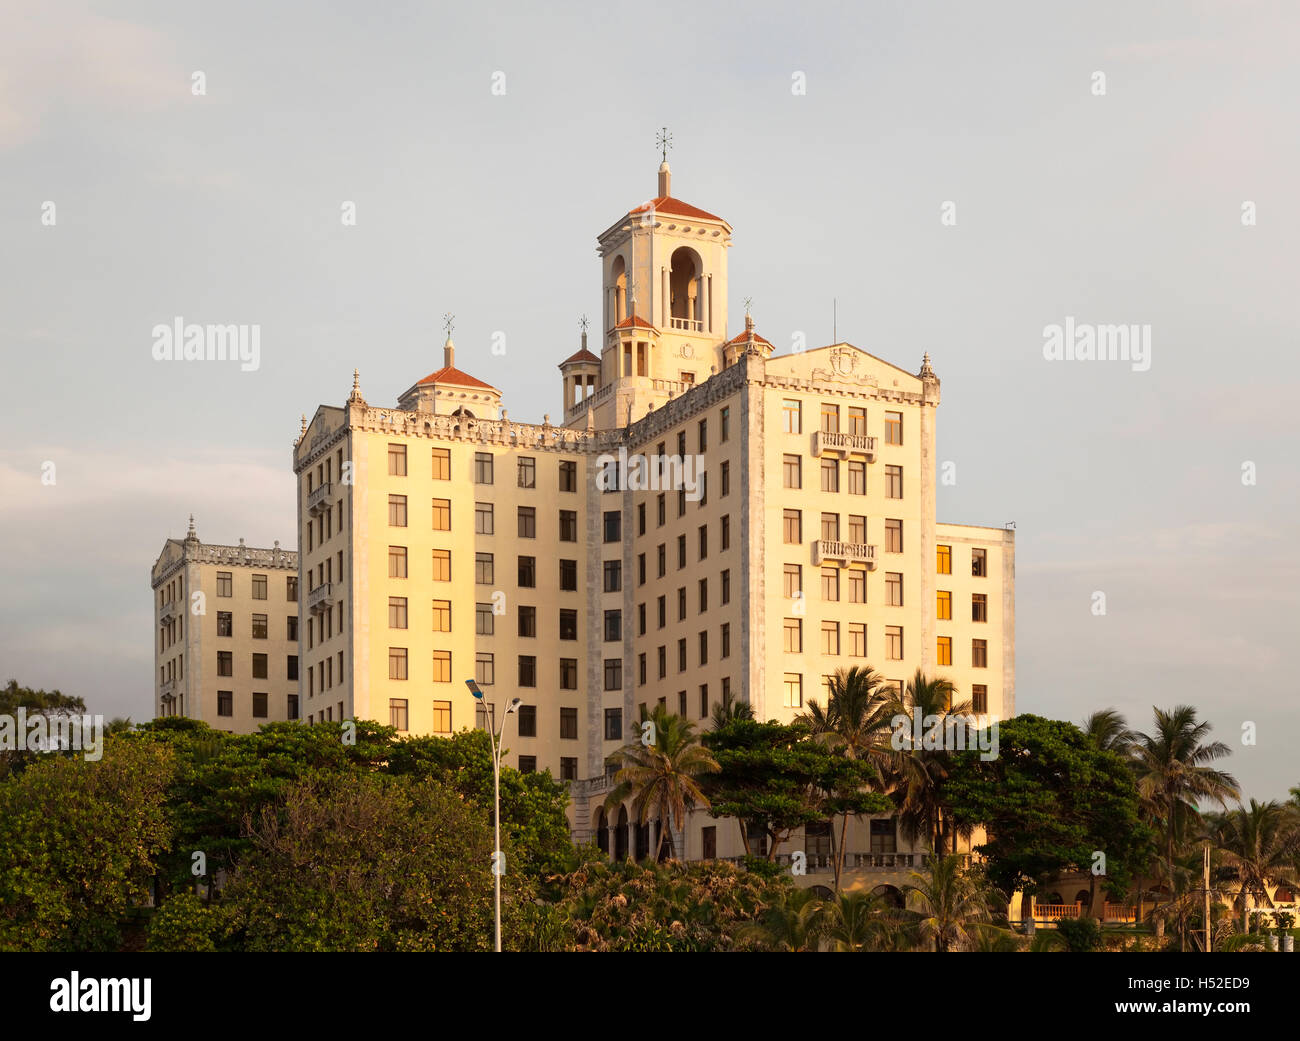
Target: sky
(943, 177)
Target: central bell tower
(664, 305)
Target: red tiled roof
(667, 204)
(451, 374)
(634, 321)
(743, 337)
(582, 355)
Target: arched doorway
(601, 828)
(890, 896)
(685, 281)
(620, 834)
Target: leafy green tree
(78, 841)
(186, 923)
(948, 900)
(1047, 803)
(919, 773)
(46, 702)
(662, 778)
(1261, 844)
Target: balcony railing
(321, 598)
(1051, 912)
(168, 609)
(844, 444)
(845, 552)
(167, 689)
(693, 325)
(318, 501)
(820, 863)
(1118, 913)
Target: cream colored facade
(442, 540)
(225, 633)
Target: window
(441, 668)
(397, 713)
(724, 538)
(612, 571)
(291, 627)
(568, 525)
(979, 563)
(979, 607)
(830, 637)
(663, 662)
(568, 476)
(568, 575)
(792, 641)
(831, 527)
(613, 525)
(613, 724)
(442, 514)
(568, 674)
(726, 639)
(857, 420)
(893, 482)
(568, 768)
(857, 585)
(792, 527)
(704, 595)
(663, 560)
(225, 663)
(790, 418)
(893, 428)
(442, 717)
(943, 605)
(527, 572)
(225, 703)
(613, 673)
(527, 472)
(857, 477)
(568, 724)
(568, 624)
(979, 654)
(681, 654)
(661, 503)
(484, 522)
(894, 642)
(482, 468)
(858, 639)
(857, 528)
(397, 612)
(884, 837)
(442, 616)
(681, 603)
(704, 435)
(893, 536)
(830, 475)
(442, 464)
(726, 587)
(226, 623)
(709, 842)
(224, 581)
(830, 418)
(292, 712)
(484, 569)
(397, 460)
(259, 627)
(259, 666)
(979, 698)
(527, 522)
(259, 587)
(725, 469)
(397, 561)
(944, 651)
(484, 620)
(704, 541)
(792, 471)
(943, 560)
(527, 720)
(397, 511)
(640, 518)
(485, 670)
(793, 683)
(704, 648)
(397, 663)
(291, 588)
(640, 612)
(894, 589)
(681, 552)
(527, 620)
(613, 626)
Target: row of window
(260, 704)
(226, 586)
(258, 625)
(226, 665)
(979, 561)
(321, 676)
(484, 668)
(484, 468)
(792, 420)
(792, 476)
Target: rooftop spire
(664, 141)
(356, 386)
(449, 348)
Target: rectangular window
(484, 569)
(792, 527)
(613, 673)
(704, 648)
(725, 469)
(259, 627)
(568, 674)
(527, 620)
(397, 663)
(893, 482)
(893, 589)
(662, 507)
(979, 563)
(225, 663)
(397, 561)
(484, 620)
(568, 476)
(663, 560)
(704, 595)
(259, 587)
(397, 511)
(979, 698)
(485, 670)
(291, 588)
(793, 684)
(831, 584)
(857, 420)
(831, 527)
(704, 541)
(225, 703)
(568, 624)
(726, 587)
(397, 713)
(568, 525)
(442, 616)
(858, 639)
(704, 435)
(681, 654)
(944, 651)
(441, 667)
(613, 626)
(979, 607)
(568, 575)
(527, 472)
(791, 422)
(613, 724)
(894, 642)
(291, 627)
(726, 639)
(226, 623)
(830, 637)
(857, 477)
(792, 471)
(893, 428)
(568, 724)
(792, 642)
(442, 514)
(830, 475)
(527, 572)
(292, 712)
(725, 423)
(568, 768)
(527, 720)
(613, 526)
(663, 662)
(442, 717)
(259, 666)
(484, 520)
(943, 605)
(442, 464)
(857, 585)
(681, 552)
(225, 581)
(893, 536)
(943, 560)
(397, 460)
(979, 654)
(482, 467)
(681, 603)
(527, 522)
(857, 528)
(830, 418)
(397, 612)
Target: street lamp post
(498, 859)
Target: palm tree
(796, 924)
(1172, 766)
(1109, 731)
(730, 708)
(1261, 843)
(919, 773)
(856, 720)
(662, 777)
(949, 902)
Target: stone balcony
(844, 553)
(690, 325)
(318, 501)
(825, 442)
(321, 598)
(169, 609)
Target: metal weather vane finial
(664, 141)
(749, 302)
(582, 322)
(448, 322)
